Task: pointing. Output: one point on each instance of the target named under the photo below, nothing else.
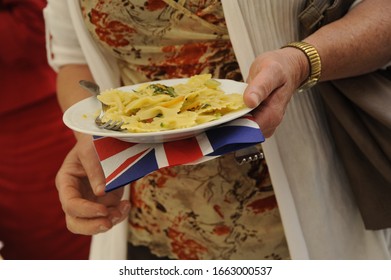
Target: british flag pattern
(124, 162)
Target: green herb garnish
(162, 89)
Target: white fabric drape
(245, 53)
(307, 175)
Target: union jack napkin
(124, 162)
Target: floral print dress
(214, 210)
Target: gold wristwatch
(314, 62)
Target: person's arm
(356, 44)
(68, 93)
(68, 90)
(80, 180)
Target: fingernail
(124, 209)
(100, 189)
(103, 228)
(254, 99)
(114, 220)
(100, 214)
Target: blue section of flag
(225, 139)
(137, 170)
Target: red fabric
(24, 74)
(33, 142)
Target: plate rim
(133, 136)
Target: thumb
(90, 162)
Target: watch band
(314, 62)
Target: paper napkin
(124, 162)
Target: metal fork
(110, 124)
(247, 155)
(95, 90)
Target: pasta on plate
(156, 107)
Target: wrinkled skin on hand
(273, 78)
(88, 209)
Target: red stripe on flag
(127, 163)
(182, 151)
(107, 147)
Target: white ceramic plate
(80, 117)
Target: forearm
(68, 90)
(358, 43)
